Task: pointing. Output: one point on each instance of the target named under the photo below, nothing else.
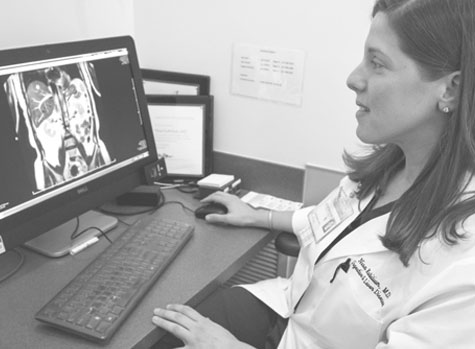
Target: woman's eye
(376, 64)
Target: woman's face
(396, 104)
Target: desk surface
(212, 255)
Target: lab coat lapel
(363, 240)
(302, 274)
(357, 207)
(309, 253)
(367, 237)
(326, 220)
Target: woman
(387, 260)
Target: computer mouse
(212, 207)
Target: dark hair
(440, 36)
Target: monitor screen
(74, 132)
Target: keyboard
(98, 300)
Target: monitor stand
(57, 242)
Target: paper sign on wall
(268, 73)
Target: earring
(446, 110)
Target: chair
(318, 183)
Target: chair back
(318, 182)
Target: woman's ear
(450, 92)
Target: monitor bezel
(36, 220)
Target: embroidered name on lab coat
(329, 214)
(370, 280)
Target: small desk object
(214, 254)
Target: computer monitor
(74, 133)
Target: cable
(76, 227)
(123, 222)
(186, 187)
(74, 236)
(185, 208)
(167, 185)
(189, 188)
(162, 202)
(17, 267)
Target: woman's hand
(239, 212)
(195, 330)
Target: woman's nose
(355, 80)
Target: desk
(212, 255)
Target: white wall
(29, 22)
(197, 37)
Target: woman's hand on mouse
(239, 212)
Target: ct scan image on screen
(59, 107)
(65, 122)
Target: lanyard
(366, 215)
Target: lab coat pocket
(348, 315)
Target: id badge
(329, 214)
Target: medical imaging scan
(59, 106)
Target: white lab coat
(377, 303)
